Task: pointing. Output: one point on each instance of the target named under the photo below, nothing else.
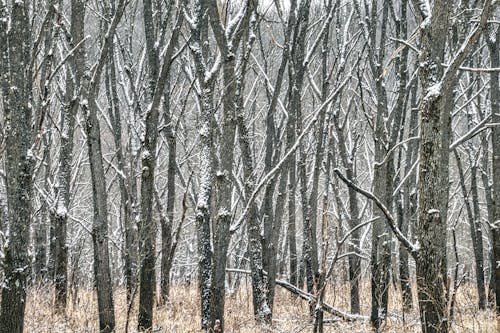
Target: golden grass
(182, 313)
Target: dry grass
(182, 314)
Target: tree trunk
(495, 137)
(382, 178)
(409, 204)
(475, 228)
(273, 222)
(166, 228)
(102, 272)
(158, 76)
(18, 164)
(224, 191)
(59, 216)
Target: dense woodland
(151, 144)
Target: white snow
(433, 91)
(62, 210)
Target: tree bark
(206, 163)
(492, 41)
(102, 272)
(68, 114)
(475, 228)
(382, 177)
(19, 164)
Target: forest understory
(182, 313)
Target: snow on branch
(424, 8)
(413, 249)
(278, 166)
(307, 296)
(465, 49)
(481, 126)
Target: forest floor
(290, 316)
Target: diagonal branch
(412, 248)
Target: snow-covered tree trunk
(409, 217)
(437, 86)
(203, 211)
(262, 311)
(146, 225)
(49, 30)
(223, 182)
(59, 214)
(18, 160)
(433, 174)
(158, 78)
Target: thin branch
(412, 248)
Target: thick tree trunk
(433, 175)
(224, 191)
(146, 226)
(158, 78)
(206, 163)
(19, 165)
(203, 209)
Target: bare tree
(76, 67)
(437, 84)
(88, 102)
(158, 78)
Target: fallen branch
(306, 296)
(326, 307)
